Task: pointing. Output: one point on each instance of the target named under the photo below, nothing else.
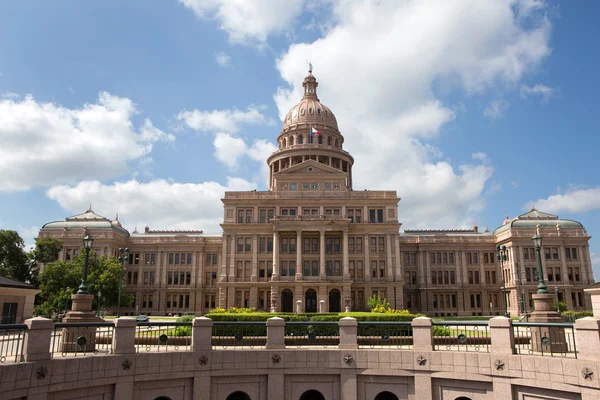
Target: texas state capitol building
(312, 243)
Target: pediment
(310, 167)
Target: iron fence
(386, 335)
(545, 339)
(163, 336)
(82, 338)
(239, 334)
(12, 341)
(312, 333)
(470, 336)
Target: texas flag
(314, 132)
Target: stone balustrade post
(348, 333)
(123, 340)
(202, 334)
(37, 339)
(275, 333)
(501, 335)
(587, 338)
(422, 334)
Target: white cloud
(379, 67)
(538, 90)
(223, 59)
(229, 150)
(28, 235)
(228, 121)
(481, 156)
(248, 21)
(159, 203)
(573, 200)
(514, 184)
(495, 109)
(46, 144)
(527, 7)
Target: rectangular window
(292, 245)
(269, 245)
(359, 245)
(262, 247)
(336, 245)
(292, 268)
(169, 278)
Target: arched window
(301, 139)
(320, 139)
(386, 396)
(329, 140)
(291, 140)
(284, 143)
(312, 395)
(237, 395)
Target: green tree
(14, 262)
(46, 249)
(104, 275)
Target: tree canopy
(46, 249)
(104, 275)
(14, 261)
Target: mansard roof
(533, 218)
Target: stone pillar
(388, 250)
(422, 334)
(157, 281)
(545, 312)
(427, 268)
(564, 277)
(482, 273)
(587, 338)
(299, 266)
(230, 296)
(367, 252)
(231, 275)
(275, 333)
(423, 389)
(348, 333)
(223, 275)
(399, 274)
(345, 255)
(595, 296)
(501, 334)
(583, 271)
(222, 297)
(202, 334)
(254, 276)
(275, 275)
(123, 340)
(194, 268)
(81, 311)
(322, 254)
(348, 383)
(37, 339)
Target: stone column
(399, 274)
(275, 275)
(322, 254)
(123, 340)
(348, 333)
(427, 268)
(345, 255)
(501, 334)
(367, 252)
(231, 277)
(583, 272)
(202, 334)
(422, 334)
(254, 276)
(482, 272)
(38, 335)
(157, 281)
(563, 265)
(194, 263)
(389, 267)
(587, 338)
(223, 275)
(299, 266)
(275, 333)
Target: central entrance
(334, 301)
(310, 300)
(287, 301)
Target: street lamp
(88, 241)
(99, 303)
(67, 299)
(501, 255)
(556, 296)
(123, 259)
(537, 243)
(523, 305)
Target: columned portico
(275, 255)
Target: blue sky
(470, 110)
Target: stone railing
(309, 218)
(299, 194)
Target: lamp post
(88, 241)
(67, 299)
(123, 259)
(501, 255)
(523, 304)
(556, 296)
(537, 243)
(99, 303)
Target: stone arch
(385, 395)
(238, 395)
(312, 395)
(287, 301)
(335, 300)
(162, 398)
(310, 300)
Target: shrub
(378, 304)
(573, 315)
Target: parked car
(142, 318)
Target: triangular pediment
(310, 167)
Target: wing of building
(312, 243)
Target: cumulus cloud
(495, 109)
(380, 80)
(228, 121)
(248, 21)
(575, 199)
(159, 203)
(223, 59)
(538, 90)
(230, 150)
(46, 143)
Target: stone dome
(310, 111)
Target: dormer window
(318, 111)
(310, 110)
